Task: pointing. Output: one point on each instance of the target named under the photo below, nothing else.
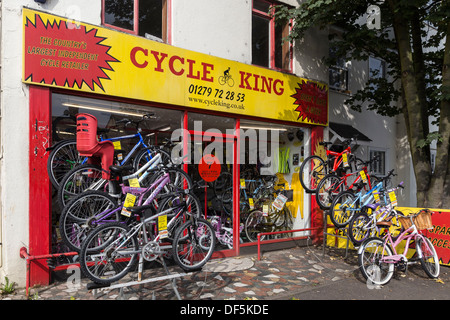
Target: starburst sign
(312, 102)
(63, 54)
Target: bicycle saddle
(384, 224)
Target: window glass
(376, 68)
(260, 41)
(261, 6)
(338, 73)
(150, 18)
(378, 166)
(120, 13)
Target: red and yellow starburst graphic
(63, 54)
(311, 99)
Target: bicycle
(224, 235)
(271, 218)
(378, 257)
(64, 155)
(331, 185)
(111, 250)
(347, 203)
(314, 168)
(363, 226)
(94, 207)
(89, 176)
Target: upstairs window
(338, 72)
(268, 48)
(146, 18)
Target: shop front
(242, 131)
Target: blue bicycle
(347, 203)
(64, 155)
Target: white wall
(14, 126)
(216, 27)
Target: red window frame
(167, 4)
(272, 45)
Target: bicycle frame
(338, 157)
(405, 235)
(133, 150)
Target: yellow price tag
(130, 199)
(345, 159)
(376, 196)
(117, 145)
(393, 198)
(134, 183)
(251, 203)
(162, 226)
(243, 183)
(265, 210)
(363, 176)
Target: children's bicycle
(314, 168)
(363, 225)
(111, 250)
(91, 208)
(347, 203)
(378, 257)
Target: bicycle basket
(423, 220)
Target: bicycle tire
(222, 184)
(429, 258)
(255, 224)
(63, 158)
(74, 217)
(369, 254)
(360, 228)
(193, 244)
(76, 181)
(100, 258)
(326, 190)
(341, 210)
(318, 169)
(179, 180)
(194, 208)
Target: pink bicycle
(378, 257)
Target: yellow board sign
(94, 59)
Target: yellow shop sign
(89, 58)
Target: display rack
(326, 234)
(96, 287)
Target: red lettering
(191, 70)
(172, 69)
(133, 57)
(159, 60)
(278, 91)
(245, 80)
(255, 88)
(207, 68)
(267, 84)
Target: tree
(414, 40)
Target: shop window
(146, 18)
(268, 48)
(338, 72)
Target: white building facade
(220, 32)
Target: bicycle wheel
(342, 209)
(255, 224)
(77, 180)
(429, 258)
(327, 189)
(179, 180)
(360, 228)
(193, 244)
(194, 209)
(63, 158)
(372, 268)
(108, 253)
(312, 170)
(74, 222)
(222, 184)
